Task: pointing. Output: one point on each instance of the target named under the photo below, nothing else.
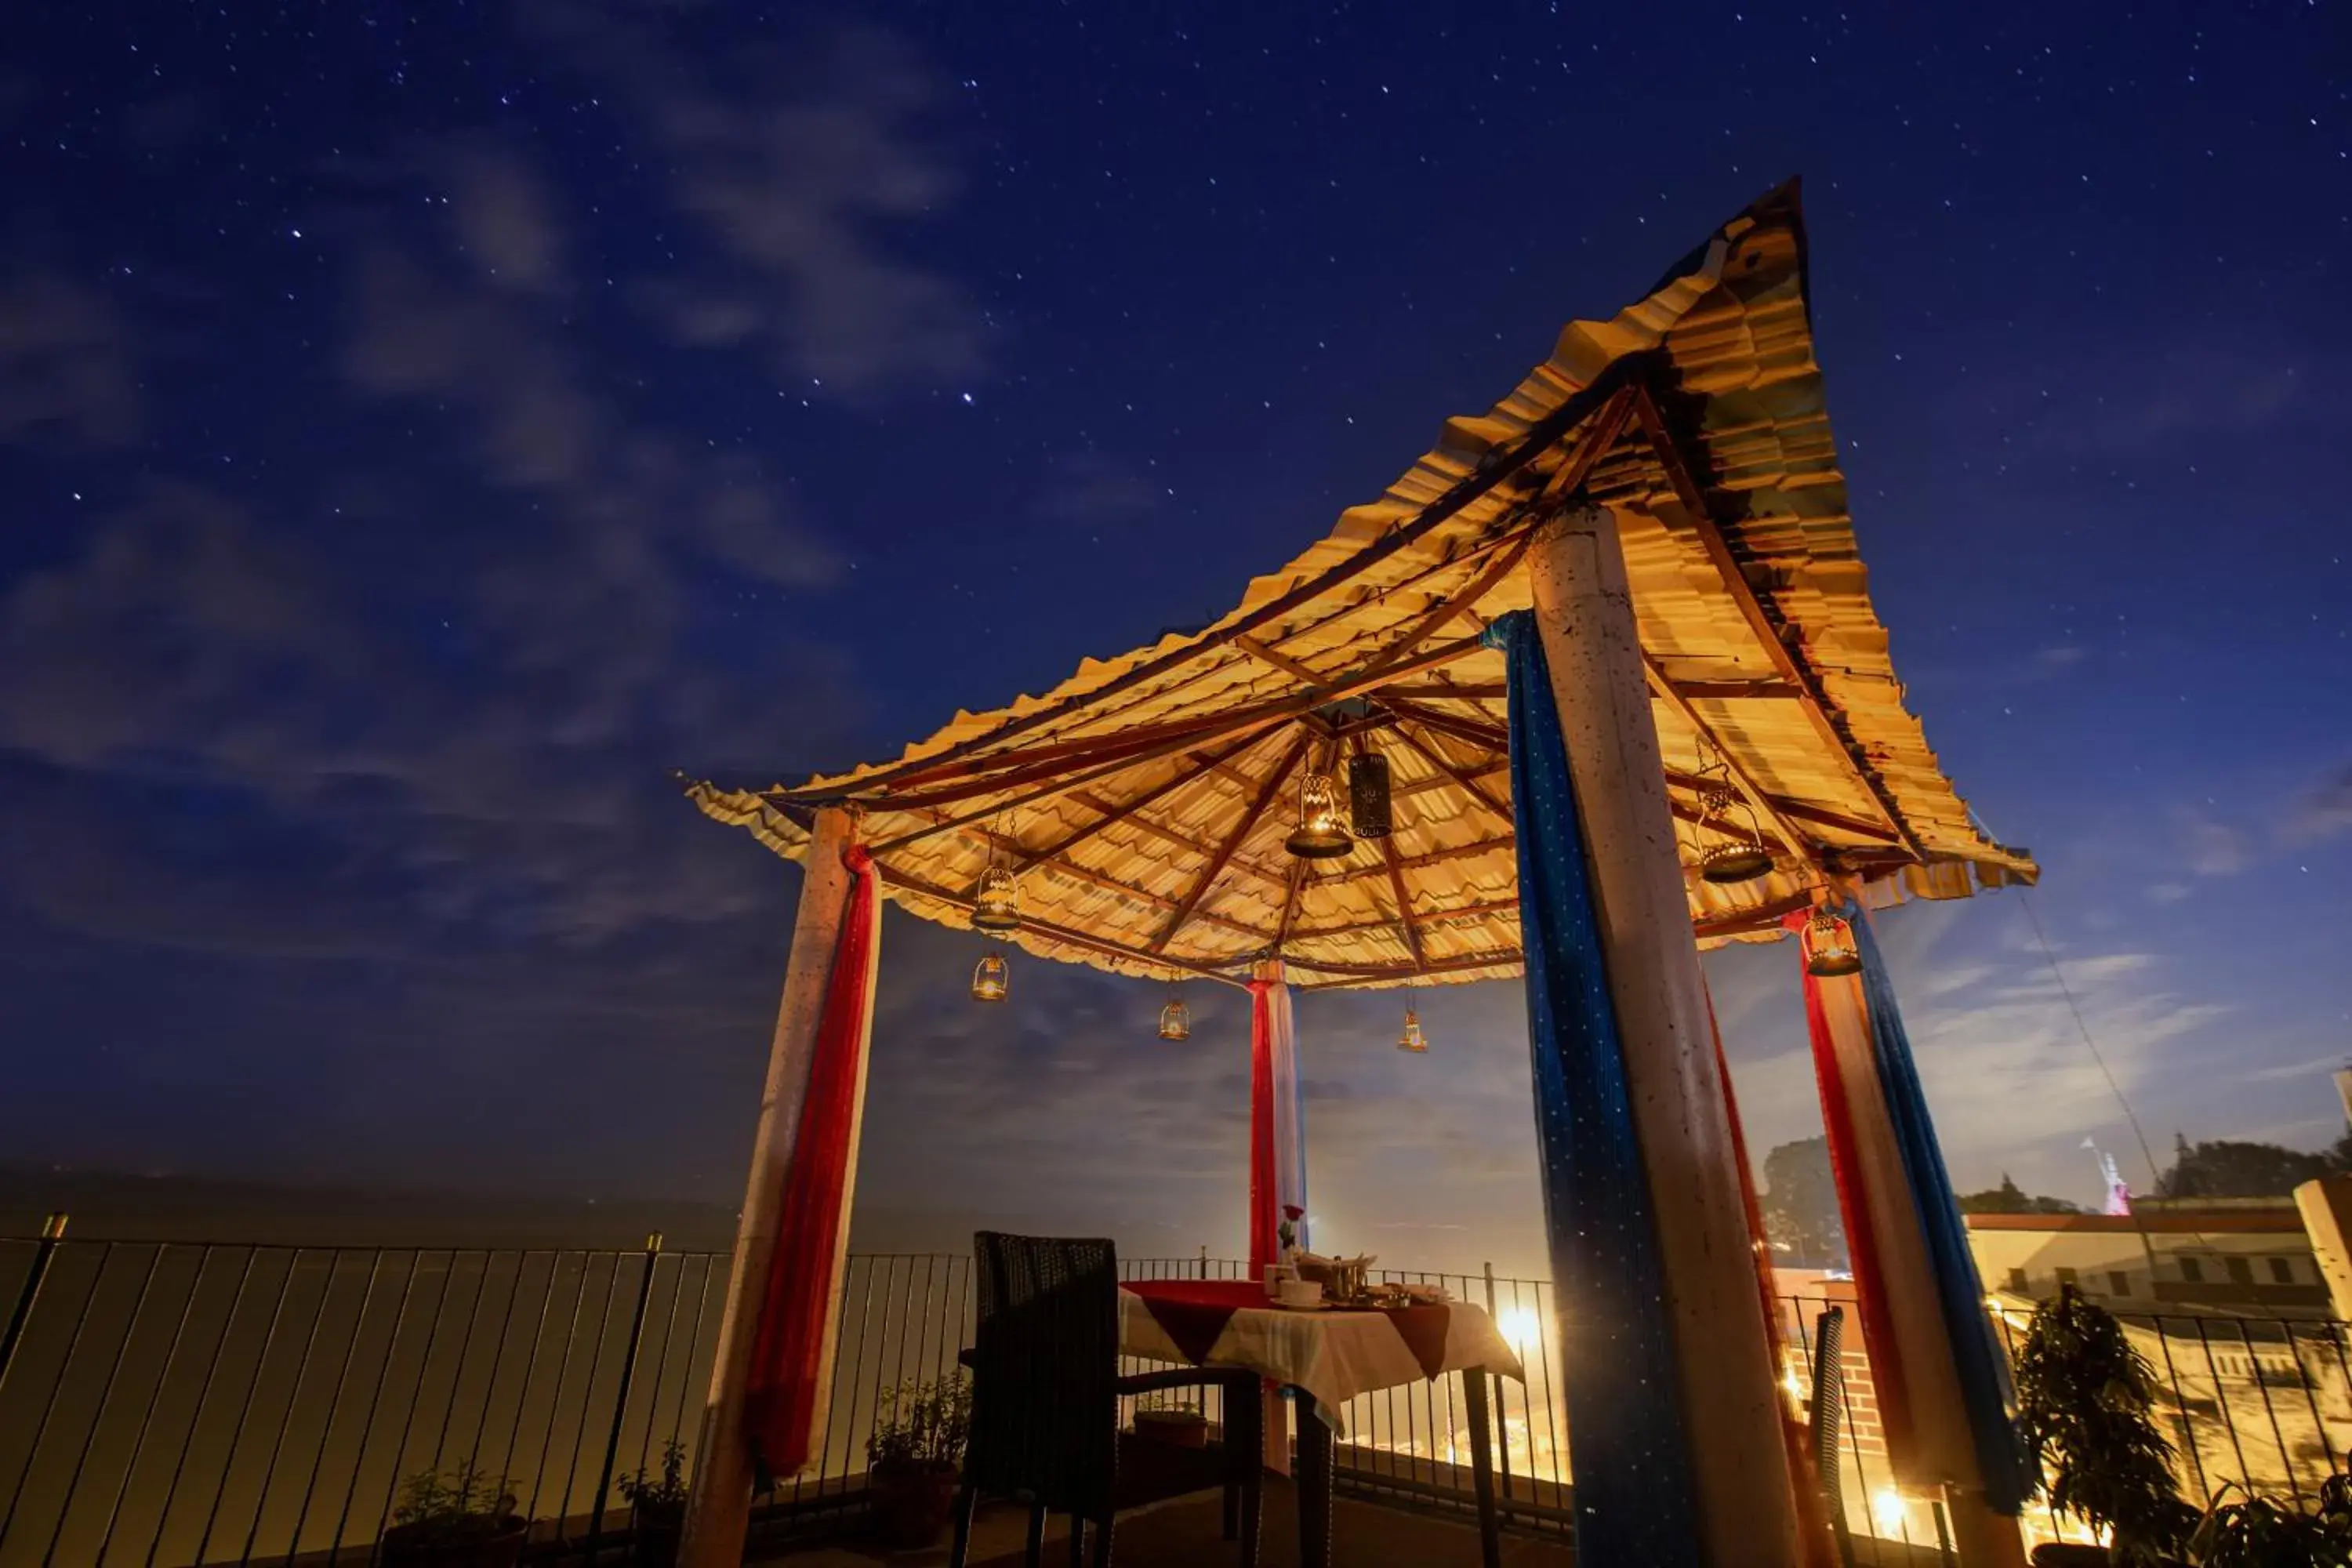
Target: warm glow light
(990, 979)
(1829, 946)
(1320, 835)
(1887, 1511)
(1521, 1328)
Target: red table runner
(1194, 1312)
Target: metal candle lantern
(996, 906)
(1739, 856)
(1320, 835)
(1413, 1040)
(1175, 1020)
(990, 978)
(1830, 948)
(1368, 795)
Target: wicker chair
(1045, 1404)
(1828, 1412)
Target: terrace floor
(1184, 1533)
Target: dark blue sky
(423, 428)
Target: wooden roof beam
(1405, 919)
(1209, 763)
(894, 878)
(1606, 393)
(1447, 768)
(1757, 801)
(1241, 830)
(1701, 522)
(1103, 880)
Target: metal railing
(169, 1404)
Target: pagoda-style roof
(1144, 801)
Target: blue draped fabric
(1983, 1369)
(1629, 1458)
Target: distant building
(2248, 1257)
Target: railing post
(621, 1402)
(53, 1230)
(1204, 1261)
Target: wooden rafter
(1486, 736)
(1757, 801)
(1404, 918)
(1606, 392)
(1125, 810)
(1509, 905)
(1761, 620)
(1248, 824)
(897, 877)
(1445, 766)
(1265, 653)
(1176, 840)
(1078, 871)
(1431, 857)
(1056, 780)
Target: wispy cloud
(796, 167)
(66, 371)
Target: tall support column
(1584, 613)
(718, 1509)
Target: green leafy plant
(2083, 1396)
(455, 1505)
(922, 1426)
(2263, 1533)
(664, 1498)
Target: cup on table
(1302, 1293)
(1276, 1275)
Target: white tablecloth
(1331, 1354)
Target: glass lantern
(1739, 856)
(1829, 947)
(1321, 834)
(996, 905)
(990, 978)
(1175, 1020)
(1412, 1040)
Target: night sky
(421, 428)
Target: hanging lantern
(1320, 835)
(1368, 795)
(990, 978)
(996, 906)
(1413, 1040)
(1175, 1020)
(1829, 947)
(1739, 856)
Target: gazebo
(1595, 683)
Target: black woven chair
(1828, 1418)
(1045, 1404)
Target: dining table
(1324, 1357)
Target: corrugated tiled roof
(1696, 415)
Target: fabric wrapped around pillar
(1942, 1381)
(791, 1356)
(1630, 1456)
(1277, 1135)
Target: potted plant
(2084, 1396)
(913, 1457)
(460, 1519)
(2263, 1533)
(657, 1508)
(1163, 1417)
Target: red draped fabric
(1264, 1188)
(1813, 1520)
(784, 1400)
(1860, 1244)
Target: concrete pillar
(718, 1509)
(1731, 1410)
(2326, 1205)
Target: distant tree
(2225, 1168)
(1800, 1205)
(2011, 1198)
